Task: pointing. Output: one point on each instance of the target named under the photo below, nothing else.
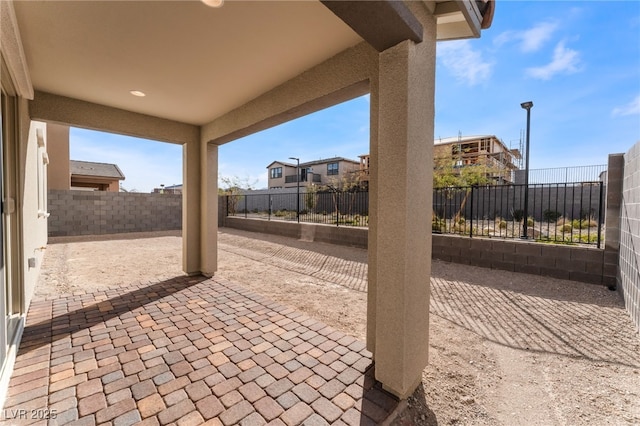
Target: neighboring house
(171, 189)
(487, 150)
(328, 171)
(92, 176)
(65, 174)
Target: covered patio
(190, 74)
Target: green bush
(530, 221)
(566, 228)
(438, 224)
(592, 238)
(551, 215)
(584, 223)
(502, 224)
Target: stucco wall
(59, 174)
(34, 222)
(98, 212)
(629, 257)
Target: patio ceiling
(194, 63)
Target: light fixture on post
(297, 186)
(525, 232)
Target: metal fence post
(600, 208)
(471, 215)
(245, 206)
(337, 208)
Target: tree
(233, 187)
(347, 183)
(450, 175)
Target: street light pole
(526, 105)
(297, 186)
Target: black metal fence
(560, 213)
(561, 174)
(348, 208)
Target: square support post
(191, 207)
(402, 120)
(209, 213)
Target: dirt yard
(506, 348)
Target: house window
(276, 172)
(332, 169)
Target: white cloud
(632, 108)
(529, 40)
(534, 38)
(465, 63)
(565, 61)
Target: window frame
(275, 173)
(330, 169)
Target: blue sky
(579, 62)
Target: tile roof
(88, 168)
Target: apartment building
(486, 150)
(322, 172)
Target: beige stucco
(339, 78)
(34, 215)
(401, 254)
(59, 176)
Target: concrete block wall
(629, 256)
(341, 235)
(96, 213)
(584, 264)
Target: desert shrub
(551, 215)
(502, 224)
(438, 224)
(584, 223)
(461, 221)
(457, 227)
(517, 215)
(566, 228)
(530, 221)
(562, 220)
(280, 213)
(591, 238)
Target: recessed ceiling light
(213, 3)
(137, 93)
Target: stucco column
(209, 209)
(191, 207)
(401, 196)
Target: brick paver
(189, 351)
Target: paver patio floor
(187, 351)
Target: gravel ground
(505, 348)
